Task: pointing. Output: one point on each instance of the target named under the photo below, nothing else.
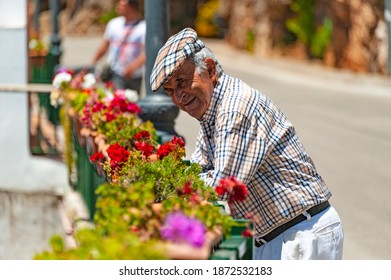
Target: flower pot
(183, 251)
(37, 58)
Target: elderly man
(243, 134)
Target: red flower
(145, 148)
(87, 91)
(176, 146)
(187, 188)
(120, 104)
(178, 141)
(195, 198)
(118, 156)
(97, 157)
(98, 106)
(235, 189)
(142, 135)
(220, 190)
(133, 108)
(86, 118)
(164, 150)
(239, 192)
(109, 85)
(110, 116)
(247, 233)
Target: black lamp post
(37, 4)
(157, 107)
(55, 50)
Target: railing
(87, 178)
(44, 118)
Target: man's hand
(128, 72)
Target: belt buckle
(260, 242)
(307, 215)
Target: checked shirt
(243, 134)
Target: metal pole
(387, 17)
(55, 50)
(157, 107)
(37, 8)
(157, 18)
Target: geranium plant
(152, 198)
(96, 106)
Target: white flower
(55, 98)
(108, 96)
(61, 79)
(33, 43)
(89, 81)
(54, 95)
(131, 95)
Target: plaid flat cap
(174, 52)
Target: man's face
(122, 7)
(191, 91)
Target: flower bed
(153, 204)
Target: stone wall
(359, 38)
(81, 17)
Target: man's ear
(211, 67)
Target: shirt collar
(218, 94)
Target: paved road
(344, 121)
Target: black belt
(312, 211)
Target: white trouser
(320, 238)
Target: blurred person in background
(124, 40)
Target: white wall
(28, 209)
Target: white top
(122, 53)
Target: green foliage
(321, 38)
(106, 17)
(167, 175)
(67, 127)
(37, 45)
(125, 208)
(123, 128)
(92, 245)
(80, 101)
(130, 207)
(127, 224)
(304, 26)
(250, 40)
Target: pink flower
(180, 228)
